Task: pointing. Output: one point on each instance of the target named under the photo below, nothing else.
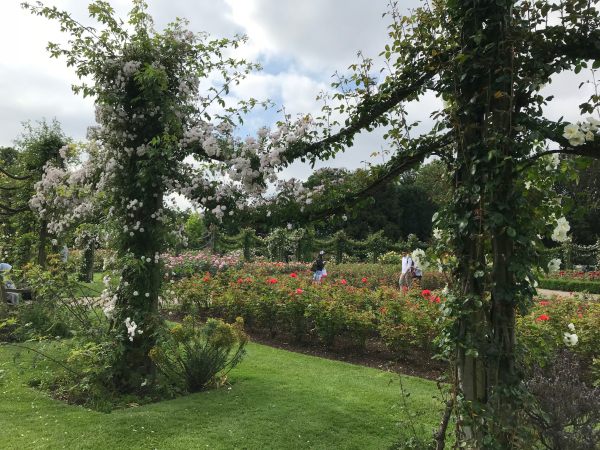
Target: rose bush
(336, 312)
(543, 332)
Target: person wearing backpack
(318, 267)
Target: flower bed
(577, 275)
(191, 263)
(337, 312)
(350, 310)
(550, 325)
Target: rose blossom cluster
(581, 132)
(560, 232)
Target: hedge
(570, 285)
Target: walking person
(407, 271)
(418, 274)
(318, 267)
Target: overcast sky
(299, 43)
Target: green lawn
(278, 400)
(93, 289)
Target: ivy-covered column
(484, 211)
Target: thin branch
(64, 366)
(8, 188)
(440, 435)
(400, 163)
(9, 210)
(14, 177)
(368, 113)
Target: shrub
(89, 380)
(570, 285)
(40, 320)
(409, 322)
(329, 319)
(288, 303)
(192, 263)
(541, 332)
(194, 356)
(391, 258)
(565, 411)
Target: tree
(152, 114)
(20, 170)
(195, 231)
(488, 61)
(434, 179)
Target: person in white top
(407, 270)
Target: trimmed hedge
(570, 285)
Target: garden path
(550, 293)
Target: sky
(300, 45)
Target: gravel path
(550, 293)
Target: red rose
(344, 281)
(364, 279)
(542, 317)
(293, 275)
(299, 291)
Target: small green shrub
(329, 319)
(89, 381)
(194, 356)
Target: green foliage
(89, 378)
(195, 231)
(562, 284)
(391, 258)
(194, 356)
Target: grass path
(278, 400)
